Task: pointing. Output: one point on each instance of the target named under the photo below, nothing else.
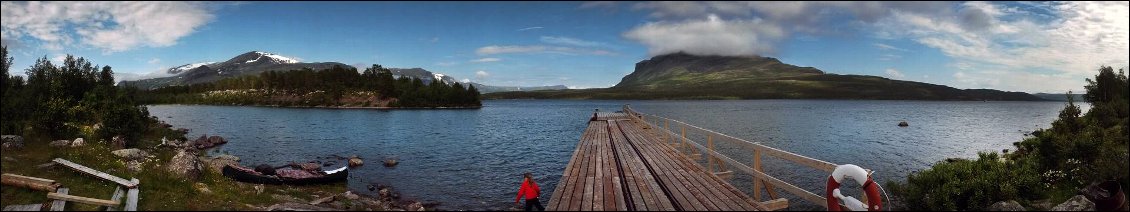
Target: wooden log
(58, 205)
(31, 179)
(29, 182)
(78, 199)
(132, 196)
(776, 204)
(96, 173)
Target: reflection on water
(472, 159)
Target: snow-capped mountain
(186, 67)
(424, 75)
(253, 62)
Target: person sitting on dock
(531, 191)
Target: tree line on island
(337, 86)
(68, 100)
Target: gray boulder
(59, 143)
(226, 157)
(12, 141)
(130, 154)
(185, 165)
(1076, 203)
(1010, 205)
(78, 142)
(217, 164)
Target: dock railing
(716, 159)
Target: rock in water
(12, 141)
(130, 154)
(59, 143)
(1010, 205)
(1077, 203)
(217, 140)
(185, 165)
(415, 206)
(903, 124)
(355, 162)
(78, 142)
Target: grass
(160, 190)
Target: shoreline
(342, 107)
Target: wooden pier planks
(617, 165)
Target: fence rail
(715, 158)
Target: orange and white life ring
(863, 178)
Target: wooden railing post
(710, 159)
(683, 145)
(666, 136)
(756, 179)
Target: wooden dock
(620, 165)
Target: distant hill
(1059, 96)
(495, 89)
(248, 63)
(428, 77)
(685, 76)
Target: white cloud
(998, 44)
(447, 63)
(530, 28)
(154, 61)
(570, 41)
(58, 58)
(889, 47)
(109, 26)
(988, 41)
(465, 80)
(481, 74)
(894, 74)
(495, 49)
(486, 60)
(710, 36)
(889, 57)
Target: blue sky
(1032, 47)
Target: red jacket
(529, 189)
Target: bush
(1056, 162)
(961, 184)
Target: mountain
(249, 63)
(424, 75)
(1059, 96)
(686, 76)
(428, 77)
(495, 89)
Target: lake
(473, 159)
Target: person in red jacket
(531, 191)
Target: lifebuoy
(860, 175)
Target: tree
(106, 77)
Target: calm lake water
(473, 159)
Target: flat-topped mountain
(686, 76)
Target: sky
(1014, 46)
